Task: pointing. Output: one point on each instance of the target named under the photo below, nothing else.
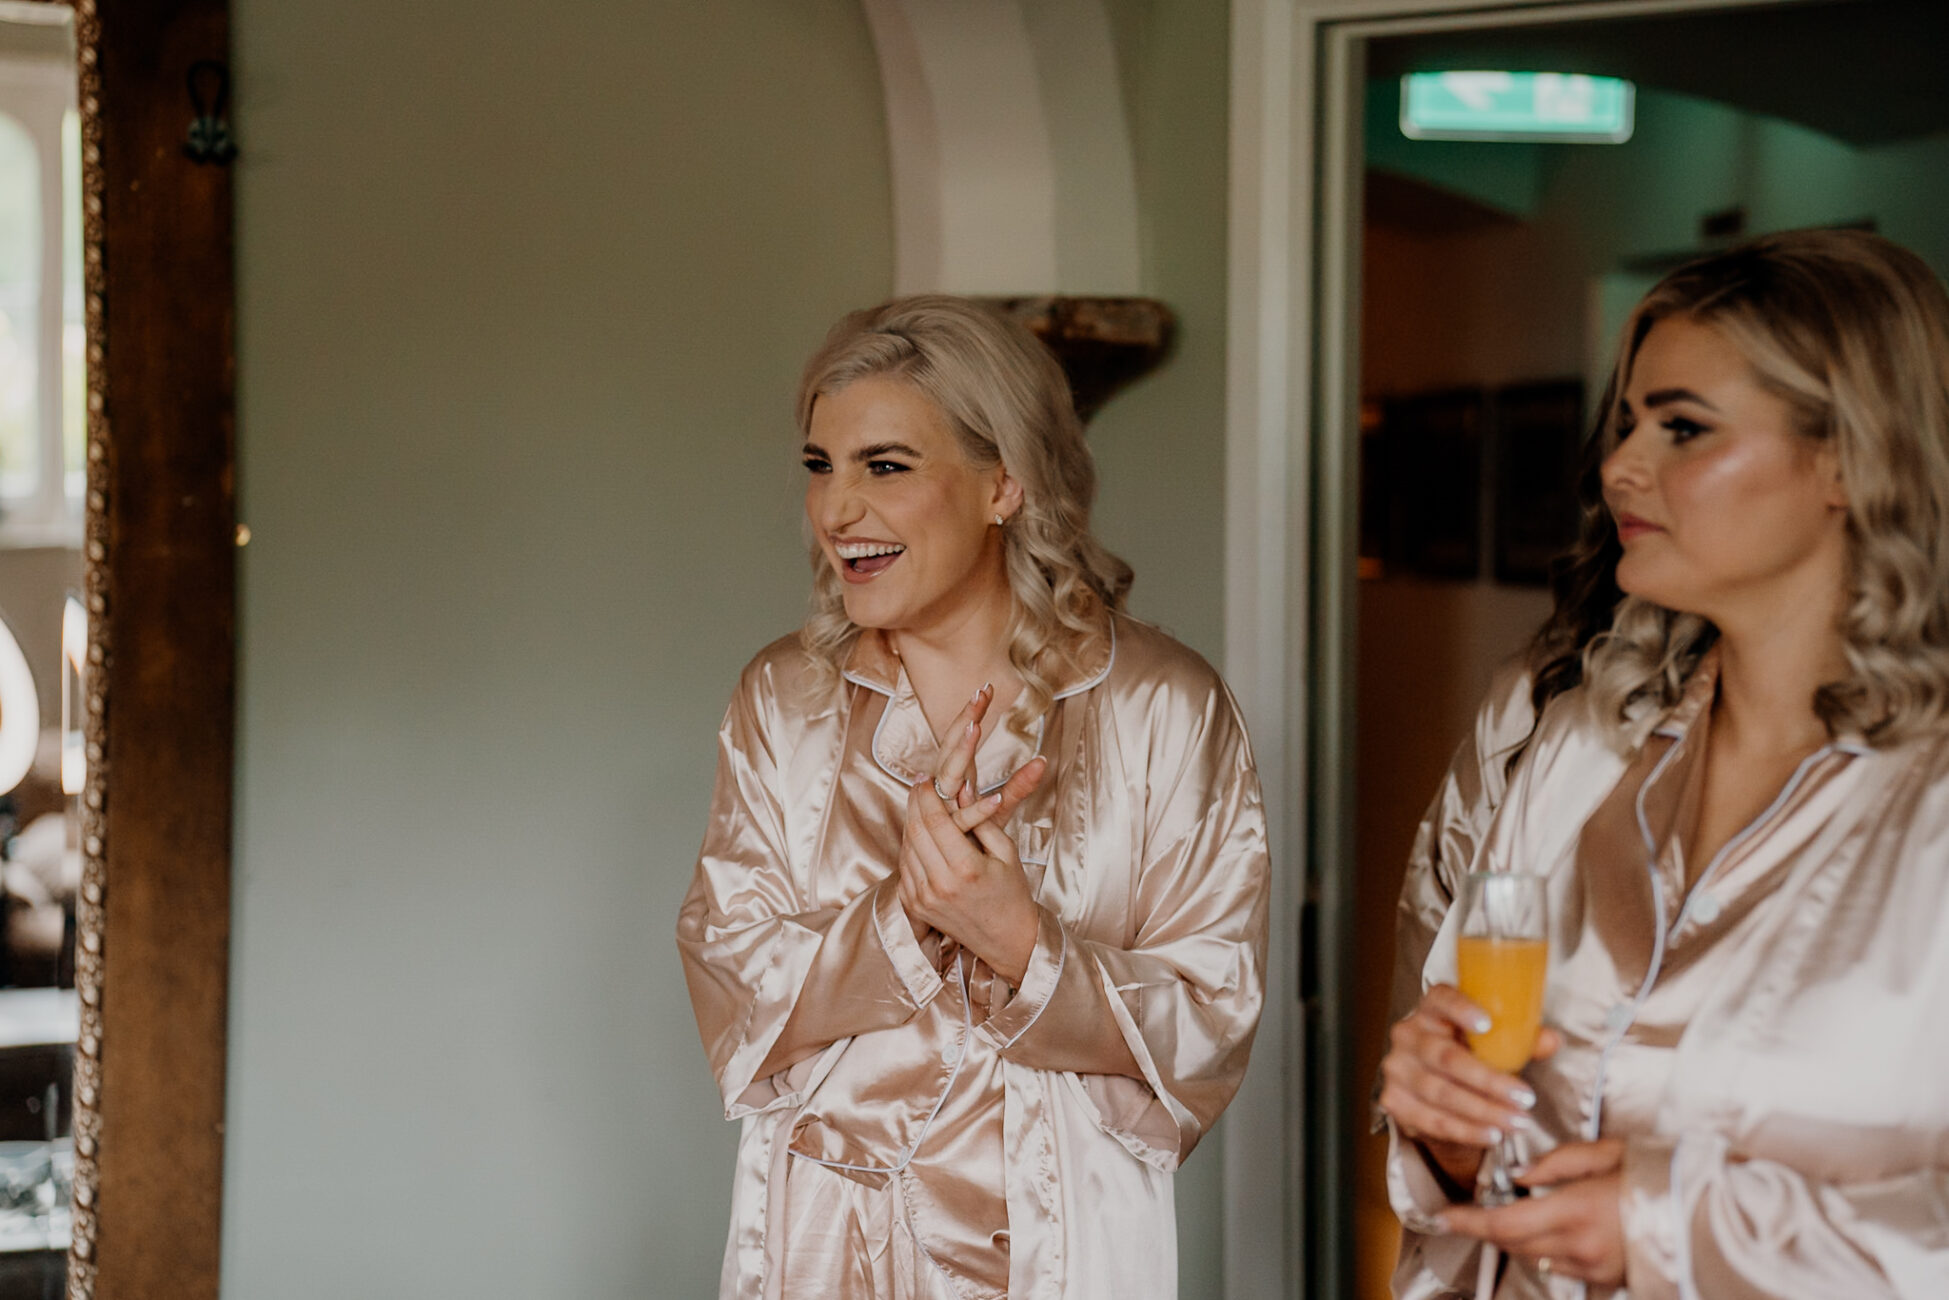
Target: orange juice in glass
(1502, 958)
(1505, 978)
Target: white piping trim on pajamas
(879, 931)
(1041, 723)
(1061, 957)
(967, 1029)
(1595, 1125)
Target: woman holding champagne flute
(1736, 809)
(976, 937)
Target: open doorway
(1493, 277)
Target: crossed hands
(1571, 1225)
(1455, 1107)
(959, 871)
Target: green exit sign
(1564, 106)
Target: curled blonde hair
(1852, 332)
(1008, 403)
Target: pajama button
(1705, 909)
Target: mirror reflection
(43, 636)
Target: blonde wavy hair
(1852, 331)
(1008, 403)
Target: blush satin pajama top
(911, 1125)
(1771, 1040)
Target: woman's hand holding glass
(960, 873)
(1441, 1095)
(1444, 1089)
(1578, 1229)
(1448, 1080)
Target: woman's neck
(1763, 720)
(1769, 669)
(952, 657)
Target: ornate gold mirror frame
(153, 919)
(94, 828)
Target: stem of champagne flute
(1513, 1156)
(1494, 1186)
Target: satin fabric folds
(911, 1125)
(1771, 1040)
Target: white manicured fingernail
(1481, 1025)
(1523, 1097)
(1494, 1135)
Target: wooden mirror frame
(153, 920)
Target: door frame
(1291, 518)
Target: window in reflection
(20, 292)
(42, 335)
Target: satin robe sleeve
(774, 979)
(1739, 1229)
(1159, 1028)
(1442, 856)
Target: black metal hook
(209, 132)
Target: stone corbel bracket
(1104, 344)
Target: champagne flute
(1502, 957)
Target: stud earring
(999, 521)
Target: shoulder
(1478, 774)
(1145, 659)
(1569, 744)
(1506, 717)
(782, 678)
(1916, 775)
(1567, 768)
(1159, 679)
(783, 662)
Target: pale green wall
(523, 291)
(1699, 157)
(522, 294)
(1160, 445)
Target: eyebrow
(1666, 396)
(873, 452)
(880, 449)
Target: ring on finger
(946, 796)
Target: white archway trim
(1009, 147)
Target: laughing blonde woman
(975, 939)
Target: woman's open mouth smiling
(864, 561)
